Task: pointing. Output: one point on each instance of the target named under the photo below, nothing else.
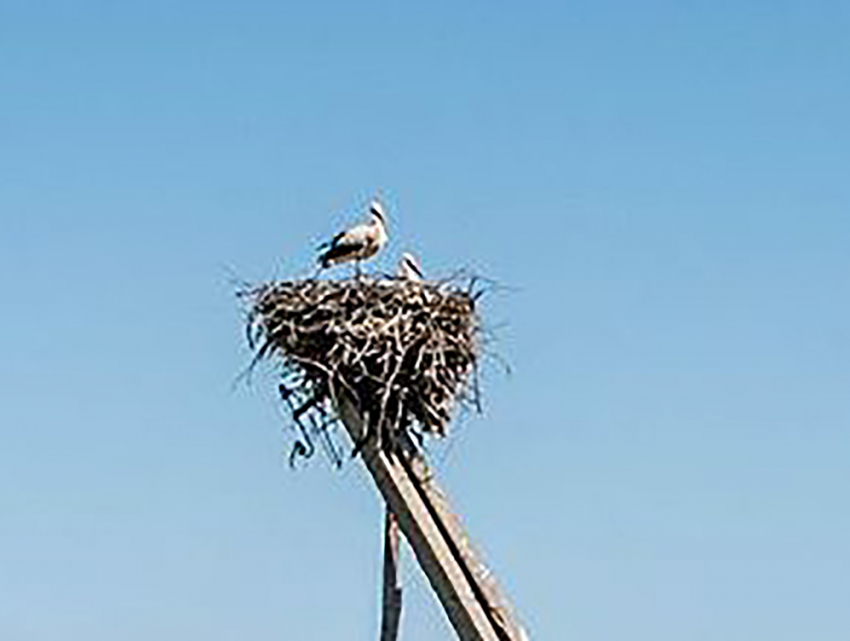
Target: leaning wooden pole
(477, 608)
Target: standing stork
(358, 243)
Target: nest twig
(404, 351)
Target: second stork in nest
(408, 268)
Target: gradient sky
(662, 187)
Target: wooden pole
(477, 608)
(392, 590)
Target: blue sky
(662, 186)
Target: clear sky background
(662, 185)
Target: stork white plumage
(408, 268)
(358, 243)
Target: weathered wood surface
(391, 611)
(499, 609)
(477, 608)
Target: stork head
(408, 267)
(377, 211)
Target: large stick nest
(404, 351)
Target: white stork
(358, 243)
(408, 268)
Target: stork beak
(413, 264)
(377, 210)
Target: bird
(358, 243)
(408, 268)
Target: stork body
(358, 243)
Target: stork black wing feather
(335, 251)
(332, 242)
